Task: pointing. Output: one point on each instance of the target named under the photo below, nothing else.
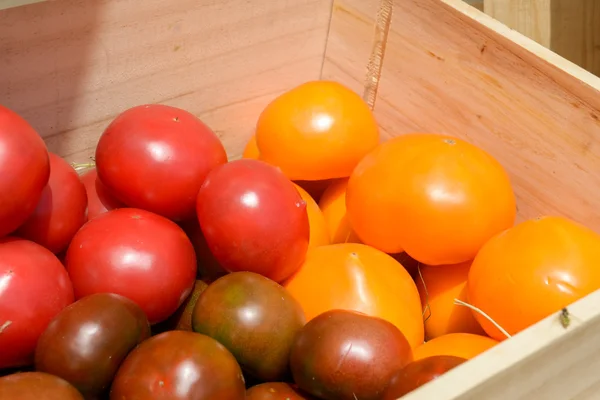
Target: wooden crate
(70, 66)
(570, 28)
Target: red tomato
(155, 157)
(208, 267)
(253, 219)
(137, 254)
(99, 200)
(34, 287)
(61, 210)
(24, 170)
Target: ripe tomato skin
(463, 345)
(253, 219)
(24, 170)
(531, 271)
(354, 276)
(315, 131)
(61, 210)
(35, 288)
(99, 200)
(137, 254)
(276, 391)
(155, 157)
(436, 197)
(179, 365)
(37, 386)
(91, 364)
(418, 373)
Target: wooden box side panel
(71, 66)
(445, 71)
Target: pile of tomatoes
(329, 262)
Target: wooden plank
(452, 69)
(478, 4)
(71, 66)
(545, 362)
(571, 28)
(575, 32)
(6, 4)
(530, 17)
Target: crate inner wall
(71, 66)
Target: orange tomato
(251, 149)
(464, 345)
(319, 236)
(314, 188)
(531, 271)
(436, 197)
(318, 130)
(333, 205)
(438, 288)
(353, 276)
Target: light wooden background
(570, 28)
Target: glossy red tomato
(253, 219)
(155, 157)
(137, 254)
(24, 170)
(61, 210)
(99, 200)
(34, 287)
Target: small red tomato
(137, 254)
(98, 198)
(253, 219)
(34, 288)
(61, 210)
(155, 157)
(24, 170)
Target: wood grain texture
(478, 4)
(575, 32)
(571, 28)
(530, 17)
(71, 66)
(6, 4)
(445, 72)
(450, 68)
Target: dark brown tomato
(98, 198)
(255, 318)
(137, 254)
(24, 170)
(179, 365)
(156, 157)
(182, 318)
(347, 355)
(209, 268)
(418, 373)
(276, 391)
(61, 210)
(87, 341)
(34, 288)
(37, 386)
